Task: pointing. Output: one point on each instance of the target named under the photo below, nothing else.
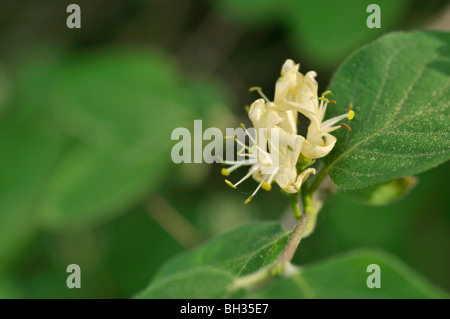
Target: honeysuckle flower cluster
(278, 150)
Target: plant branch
(286, 256)
(318, 180)
(295, 207)
(295, 238)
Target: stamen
(326, 92)
(241, 143)
(247, 155)
(230, 184)
(255, 144)
(248, 200)
(350, 106)
(351, 114)
(247, 108)
(332, 101)
(260, 92)
(270, 179)
(244, 147)
(324, 99)
(231, 162)
(322, 110)
(249, 135)
(330, 122)
(346, 127)
(227, 171)
(250, 172)
(236, 162)
(266, 186)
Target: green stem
(308, 204)
(250, 280)
(295, 207)
(301, 228)
(318, 180)
(280, 266)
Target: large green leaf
(240, 251)
(325, 31)
(119, 109)
(199, 282)
(4, 89)
(85, 138)
(252, 247)
(345, 276)
(399, 88)
(28, 152)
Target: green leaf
(238, 252)
(116, 110)
(345, 277)
(119, 110)
(194, 283)
(252, 247)
(398, 87)
(315, 32)
(9, 289)
(385, 193)
(325, 31)
(85, 138)
(28, 152)
(4, 90)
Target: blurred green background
(86, 117)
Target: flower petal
(313, 150)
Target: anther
(255, 88)
(230, 184)
(351, 115)
(249, 199)
(266, 186)
(326, 92)
(324, 99)
(225, 172)
(346, 127)
(260, 92)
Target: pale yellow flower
(276, 151)
(277, 146)
(297, 92)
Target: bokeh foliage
(85, 123)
